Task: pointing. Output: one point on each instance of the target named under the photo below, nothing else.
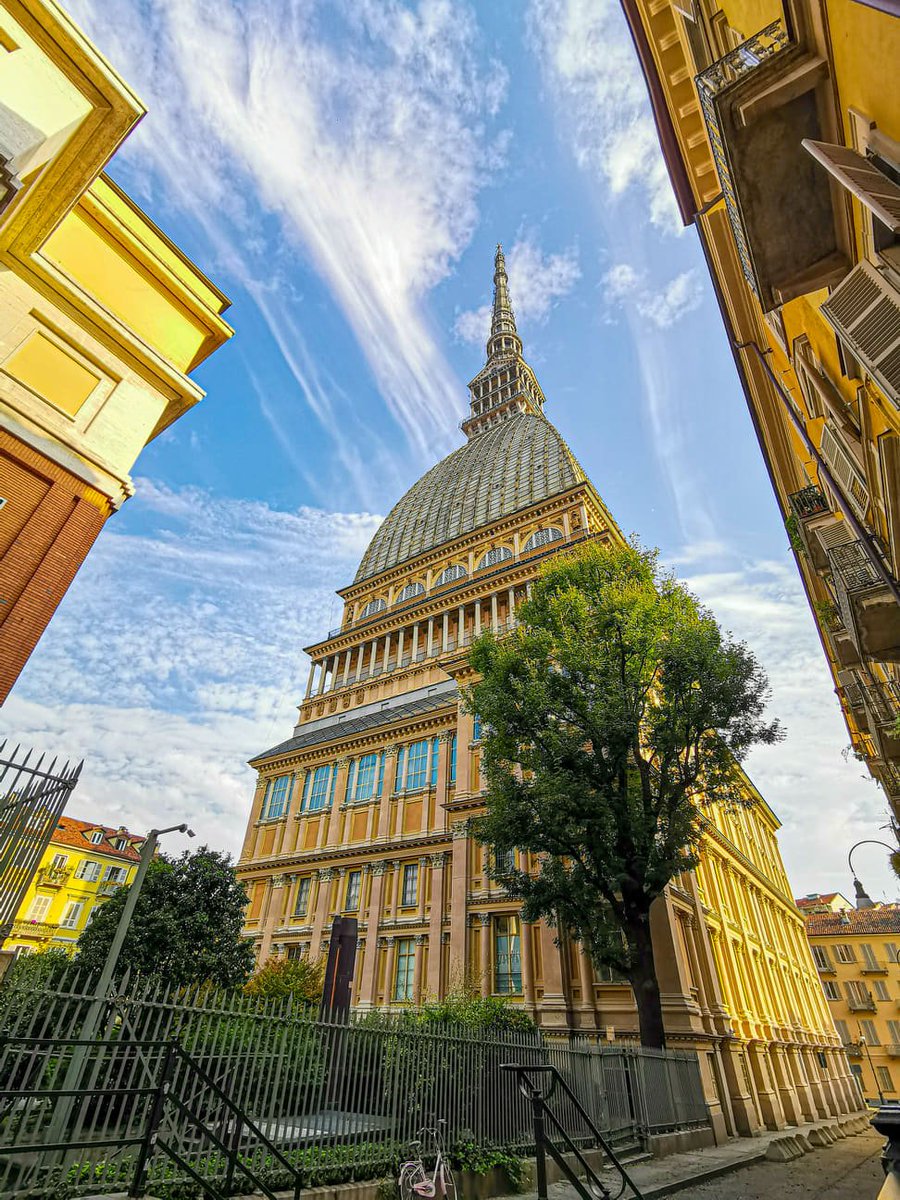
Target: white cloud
(352, 134)
(586, 52)
(536, 281)
(175, 657)
(825, 801)
(662, 304)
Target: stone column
(323, 911)
(347, 659)
(477, 629)
(400, 640)
(787, 1094)
(430, 653)
(435, 925)
(446, 631)
(494, 617)
(769, 1104)
(417, 975)
(415, 642)
(369, 980)
(511, 607)
(801, 1083)
(360, 657)
(309, 682)
(553, 1008)
(387, 651)
(525, 936)
(445, 742)
(484, 947)
(460, 625)
(390, 977)
(586, 980)
(458, 901)
(372, 657)
(386, 802)
(342, 766)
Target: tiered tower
(365, 810)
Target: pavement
(825, 1160)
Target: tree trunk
(644, 983)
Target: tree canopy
(186, 925)
(302, 978)
(613, 710)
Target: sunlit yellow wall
(35, 935)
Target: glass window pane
(417, 766)
(410, 890)
(365, 777)
(318, 794)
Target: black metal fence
(33, 795)
(338, 1100)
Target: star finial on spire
(503, 319)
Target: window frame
(409, 885)
(71, 914)
(507, 937)
(365, 778)
(323, 773)
(353, 890)
(304, 890)
(405, 971)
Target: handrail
(596, 1189)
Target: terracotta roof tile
(71, 832)
(854, 921)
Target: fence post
(537, 1117)
(156, 1111)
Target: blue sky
(343, 170)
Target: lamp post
(73, 1081)
(863, 899)
(865, 1046)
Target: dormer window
(542, 537)
(121, 843)
(496, 554)
(373, 607)
(410, 591)
(95, 837)
(449, 574)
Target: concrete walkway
(690, 1170)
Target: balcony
(852, 1049)
(892, 1049)
(874, 968)
(34, 929)
(861, 1003)
(809, 502)
(759, 102)
(53, 876)
(108, 887)
(868, 610)
(814, 514)
(882, 706)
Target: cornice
(249, 871)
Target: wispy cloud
(663, 304)
(354, 136)
(536, 282)
(175, 657)
(590, 63)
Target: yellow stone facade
(857, 953)
(780, 125)
(365, 810)
(82, 866)
(102, 317)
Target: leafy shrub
(301, 978)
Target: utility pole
(72, 1084)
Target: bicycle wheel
(449, 1184)
(410, 1175)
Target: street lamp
(863, 899)
(72, 1081)
(865, 1046)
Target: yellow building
(102, 318)
(856, 952)
(82, 866)
(780, 125)
(365, 809)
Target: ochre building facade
(780, 126)
(857, 954)
(83, 865)
(365, 810)
(102, 317)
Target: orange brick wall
(47, 526)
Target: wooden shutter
(844, 471)
(861, 177)
(864, 310)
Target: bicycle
(415, 1181)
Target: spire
(503, 319)
(505, 386)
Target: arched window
(496, 554)
(374, 606)
(411, 589)
(541, 537)
(457, 571)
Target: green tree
(186, 925)
(35, 970)
(613, 713)
(302, 978)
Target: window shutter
(834, 533)
(865, 312)
(845, 471)
(861, 177)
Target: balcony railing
(109, 886)
(809, 502)
(892, 1049)
(711, 83)
(36, 929)
(874, 968)
(868, 609)
(53, 876)
(861, 1003)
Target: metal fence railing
(339, 1099)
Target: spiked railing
(32, 799)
